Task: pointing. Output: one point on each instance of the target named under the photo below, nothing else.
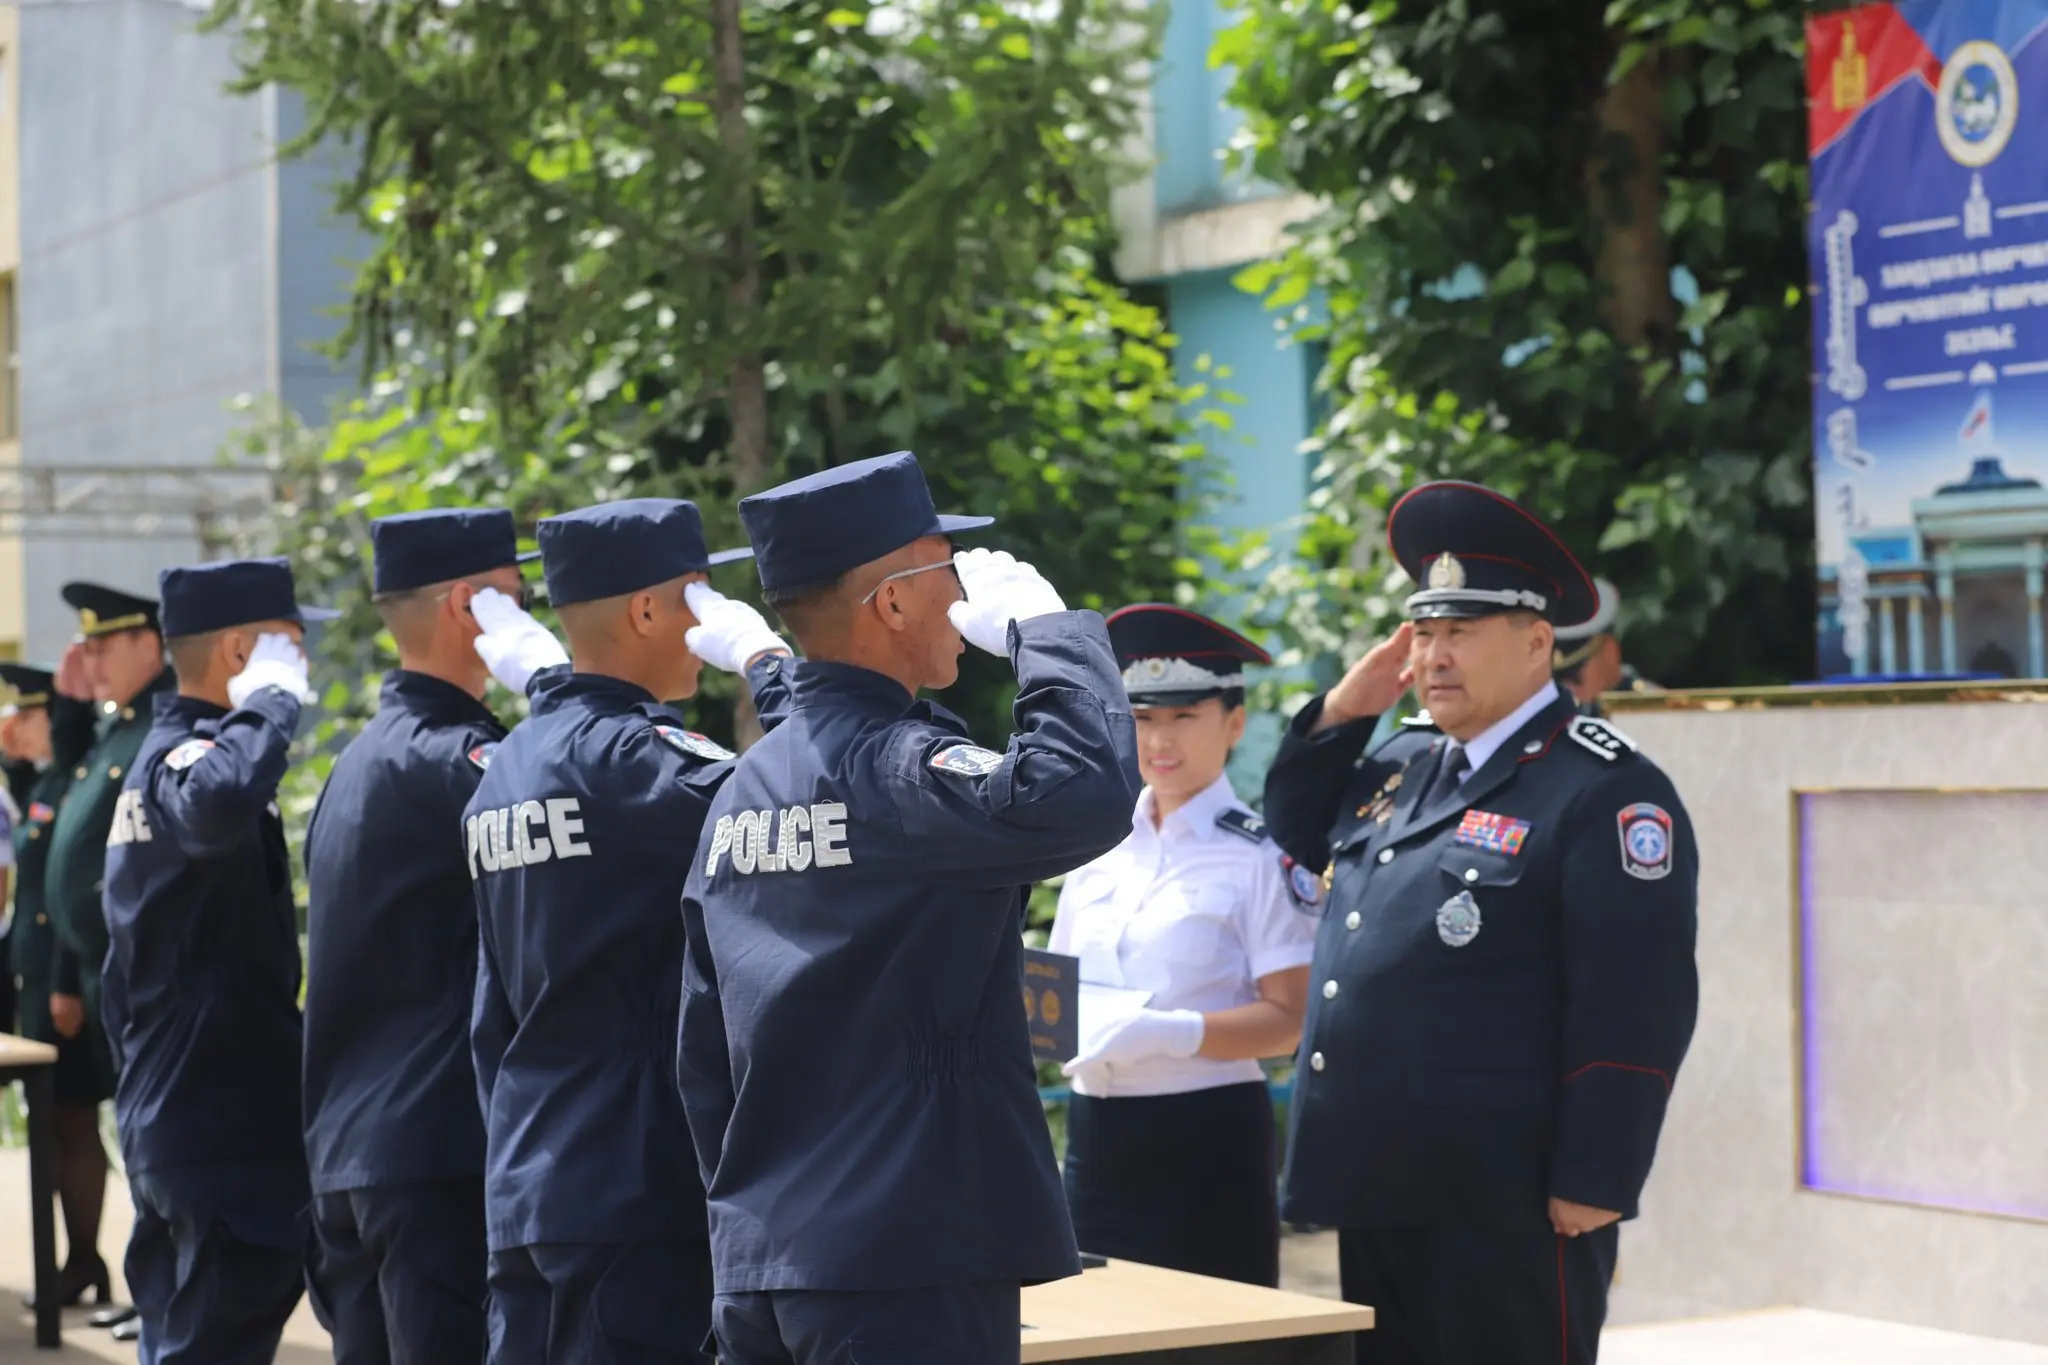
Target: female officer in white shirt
(1170, 1144)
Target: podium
(1142, 1315)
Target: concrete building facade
(167, 264)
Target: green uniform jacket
(78, 853)
(33, 940)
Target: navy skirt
(1181, 1181)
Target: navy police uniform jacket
(578, 840)
(1503, 984)
(390, 1093)
(854, 1053)
(202, 971)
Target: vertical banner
(1928, 244)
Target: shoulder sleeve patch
(1303, 886)
(480, 755)
(1243, 824)
(967, 760)
(1595, 734)
(693, 744)
(186, 754)
(1419, 721)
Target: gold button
(42, 919)
(35, 833)
(127, 713)
(80, 774)
(114, 771)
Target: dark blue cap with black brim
(201, 598)
(414, 549)
(1477, 553)
(809, 532)
(615, 548)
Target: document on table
(1104, 1008)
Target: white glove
(1146, 1034)
(999, 590)
(513, 646)
(727, 633)
(275, 662)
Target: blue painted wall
(1191, 123)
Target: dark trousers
(1181, 1181)
(563, 1304)
(968, 1324)
(211, 1286)
(1478, 1296)
(398, 1273)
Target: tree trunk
(746, 380)
(1625, 187)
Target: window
(10, 377)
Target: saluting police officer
(579, 838)
(202, 980)
(394, 1141)
(53, 732)
(854, 1051)
(1504, 986)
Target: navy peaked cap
(619, 547)
(198, 598)
(413, 549)
(810, 531)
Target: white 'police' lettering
(524, 835)
(775, 841)
(131, 825)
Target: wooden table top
(21, 1052)
(1122, 1308)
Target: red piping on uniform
(1621, 1066)
(1564, 1326)
(1548, 741)
(1509, 503)
(1264, 657)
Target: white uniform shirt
(1191, 911)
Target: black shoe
(75, 1279)
(128, 1331)
(111, 1317)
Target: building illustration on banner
(1929, 254)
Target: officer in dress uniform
(202, 976)
(1503, 986)
(123, 670)
(49, 733)
(578, 840)
(854, 1052)
(394, 1141)
(1170, 1134)
(1588, 662)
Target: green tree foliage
(690, 249)
(1508, 189)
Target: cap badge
(1446, 572)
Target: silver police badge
(1457, 920)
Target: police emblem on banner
(967, 760)
(694, 744)
(1645, 841)
(186, 754)
(481, 755)
(1457, 920)
(1978, 104)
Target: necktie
(1449, 773)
